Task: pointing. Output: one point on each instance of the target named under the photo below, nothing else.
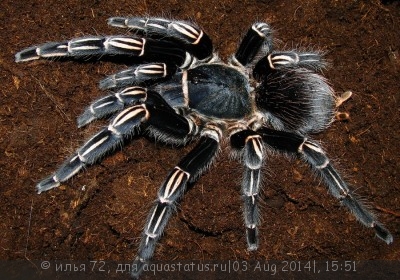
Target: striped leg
(189, 34)
(258, 35)
(139, 75)
(250, 144)
(187, 170)
(106, 105)
(112, 103)
(126, 123)
(313, 154)
(286, 59)
(157, 50)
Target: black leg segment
(125, 123)
(151, 116)
(141, 75)
(258, 35)
(194, 39)
(313, 154)
(252, 151)
(187, 170)
(288, 59)
(130, 46)
(109, 104)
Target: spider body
(215, 91)
(218, 91)
(179, 91)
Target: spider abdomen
(297, 99)
(218, 91)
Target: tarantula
(178, 90)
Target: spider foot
(382, 233)
(71, 166)
(252, 238)
(137, 267)
(47, 184)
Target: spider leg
(187, 171)
(112, 103)
(138, 75)
(160, 91)
(252, 149)
(286, 59)
(131, 46)
(166, 123)
(193, 38)
(258, 35)
(313, 154)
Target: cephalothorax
(178, 91)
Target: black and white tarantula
(179, 90)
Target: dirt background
(99, 214)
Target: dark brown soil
(99, 215)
